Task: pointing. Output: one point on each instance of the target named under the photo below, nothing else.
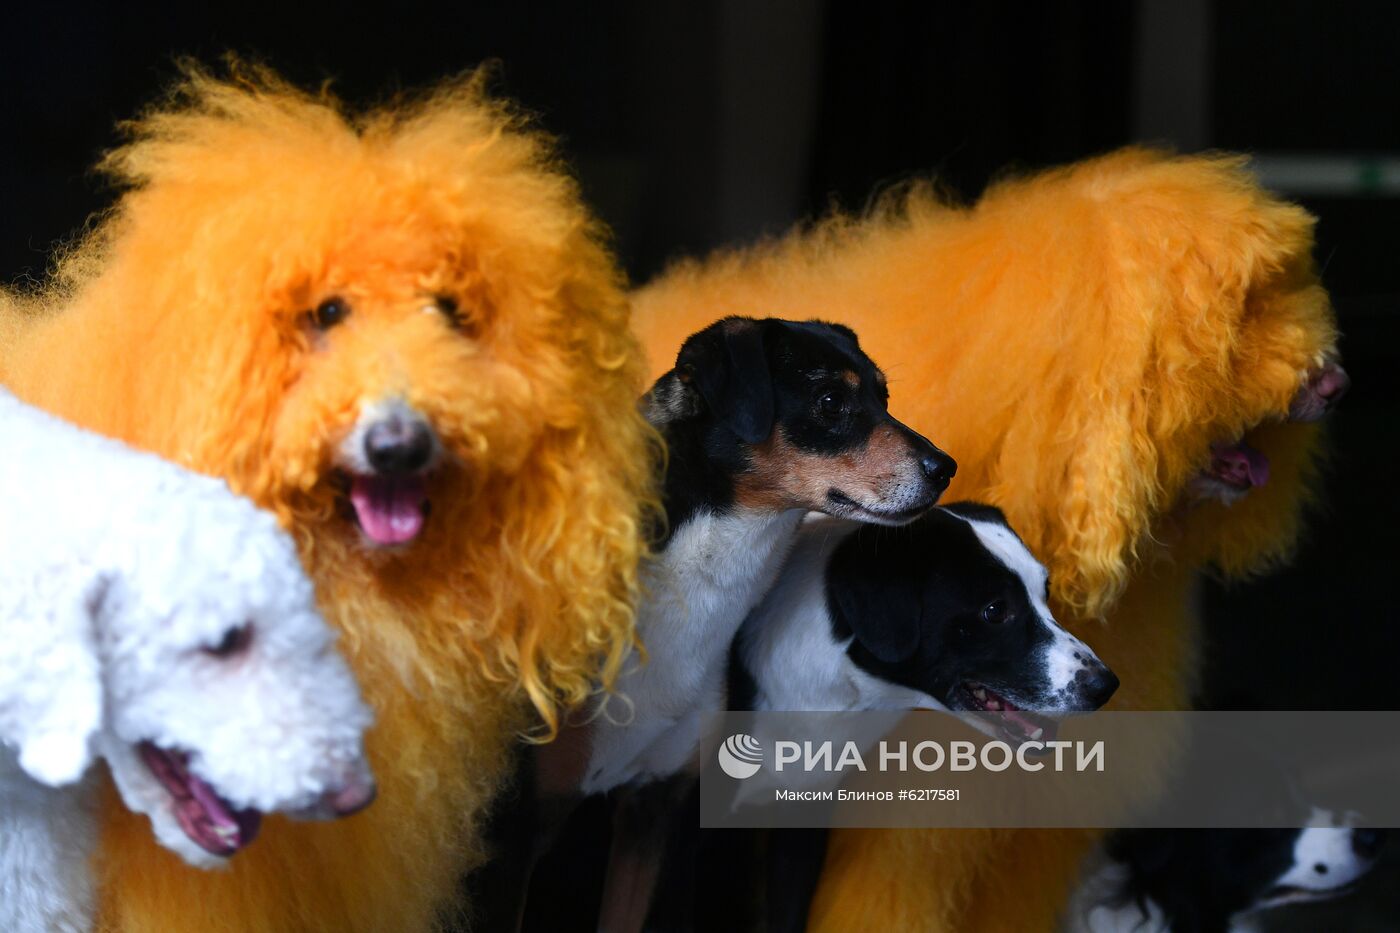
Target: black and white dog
(949, 612)
(1217, 880)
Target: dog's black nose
(399, 444)
(1096, 683)
(939, 469)
(1367, 843)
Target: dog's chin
(180, 821)
(1203, 489)
(166, 827)
(891, 514)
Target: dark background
(716, 121)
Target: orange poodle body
(1077, 340)
(180, 325)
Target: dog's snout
(399, 443)
(1367, 843)
(1333, 382)
(939, 469)
(936, 467)
(1320, 393)
(1095, 683)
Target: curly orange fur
(1076, 340)
(178, 325)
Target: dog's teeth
(1035, 736)
(979, 693)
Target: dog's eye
(329, 313)
(451, 310)
(235, 641)
(829, 404)
(995, 612)
(448, 306)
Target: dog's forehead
(820, 350)
(945, 550)
(999, 539)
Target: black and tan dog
(765, 421)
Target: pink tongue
(213, 806)
(211, 822)
(1028, 725)
(1239, 464)
(390, 508)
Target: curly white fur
(120, 575)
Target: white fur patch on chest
(714, 570)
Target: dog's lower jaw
(1234, 470)
(843, 506)
(1016, 725)
(1286, 894)
(209, 821)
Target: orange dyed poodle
(400, 331)
(1125, 355)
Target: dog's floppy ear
(51, 688)
(869, 598)
(727, 363)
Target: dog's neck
(713, 570)
(720, 556)
(704, 459)
(716, 567)
(787, 647)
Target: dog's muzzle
(1093, 685)
(387, 456)
(355, 791)
(1319, 393)
(939, 469)
(399, 443)
(932, 471)
(1236, 467)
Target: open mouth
(211, 822)
(848, 507)
(1233, 471)
(1015, 724)
(390, 508)
(1289, 894)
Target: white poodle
(150, 617)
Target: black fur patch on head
(727, 363)
(816, 360)
(913, 599)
